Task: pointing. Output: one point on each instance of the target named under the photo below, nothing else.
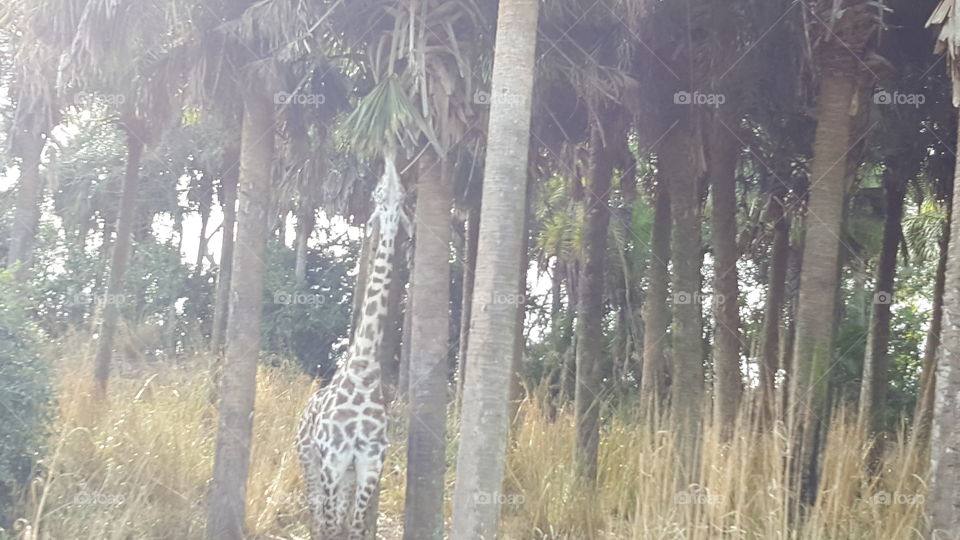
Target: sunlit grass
(139, 467)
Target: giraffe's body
(342, 437)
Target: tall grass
(139, 467)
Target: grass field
(138, 467)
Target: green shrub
(25, 395)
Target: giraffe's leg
(346, 489)
(323, 471)
(369, 465)
(332, 475)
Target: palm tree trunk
(687, 389)
(306, 220)
(426, 443)
(484, 426)
(469, 269)
(516, 388)
(653, 382)
(923, 418)
(388, 354)
(728, 381)
(943, 505)
(225, 517)
(206, 202)
(403, 378)
(26, 216)
(816, 308)
(118, 263)
(590, 308)
(228, 204)
(770, 359)
(875, 376)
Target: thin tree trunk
(728, 381)
(426, 434)
(484, 426)
(516, 388)
(590, 308)
(228, 204)
(205, 203)
(367, 245)
(469, 269)
(118, 263)
(226, 502)
(943, 505)
(687, 390)
(306, 220)
(875, 363)
(816, 309)
(26, 215)
(403, 378)
(653, 382)
(770, 359)
(923, 418)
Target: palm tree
(35, 96)
(227, 500)
(229, 177)
(483, 436)
(847, 28)
(943, 507)
(123, 53)
(656, 315)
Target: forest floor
(139, 467)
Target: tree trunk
(875, 363)
(923, 418)
(26, 215)
(229, 178)
(520, 302)
(225, 518)
(770, 359)
(590, 306)
(426, 433)
(403, 378)
(653, 382)
(205, 204)
(816, 310)
(118, 263)
(306, 220)
(728, 381)
(367, 244)
(943, 505)
(388, 354)
(469, 269)
(484, 426)
(687, 390)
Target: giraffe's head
(388, 199)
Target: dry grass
(139, 468)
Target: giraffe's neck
(362, 365)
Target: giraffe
(342, 437)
